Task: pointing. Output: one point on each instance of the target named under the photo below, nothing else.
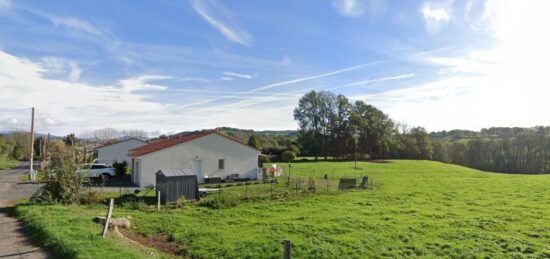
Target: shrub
(128, 197)
(263, 159)
(222, 201)
(66, 184)
(288, 155)
(137, 205)
(92, 198)
(120, 168)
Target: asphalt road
(14, 241)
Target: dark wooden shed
(174, 184)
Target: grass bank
(6, 163)
(419, 208)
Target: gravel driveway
(14, 242)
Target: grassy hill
(418, 208)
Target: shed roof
(176, 172)
(158, 145)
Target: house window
(221, 163)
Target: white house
(207, 153)
(118, 152)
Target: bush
(120, 168)
(66, 184)
(288, 156)
(92, 198)
(140, 205)
(222, 201)
(263, 159)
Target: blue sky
(168, 66)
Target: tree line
(332, 126)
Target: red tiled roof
(162, 144)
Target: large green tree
(254, 142)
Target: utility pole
(31, 171)
(44, 152)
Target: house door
(197, 167)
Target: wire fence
(294, 184)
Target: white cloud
(75, 72)
(75, 23)
(76, 105)
(217, 17)
(50, 121)
(227, 78)
(349, 8)
(141, 83)
(313, 77)
(140, 102)
(237, 75)
(436, 15)
(56, 67)
(505, 85)
(357, 8)
(369, 81)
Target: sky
(171, 66)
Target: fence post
(365, 182)
(158, 201)
(108, 218)
(287, 249)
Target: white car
(103, 171)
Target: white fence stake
(109, 214)
(158, 201)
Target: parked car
(103, 171)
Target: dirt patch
(160, 242)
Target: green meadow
(416, 209)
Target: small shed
(174, 184)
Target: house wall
(118, 152)
(239, 159)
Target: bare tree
(109, 135)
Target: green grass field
(418, 209)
